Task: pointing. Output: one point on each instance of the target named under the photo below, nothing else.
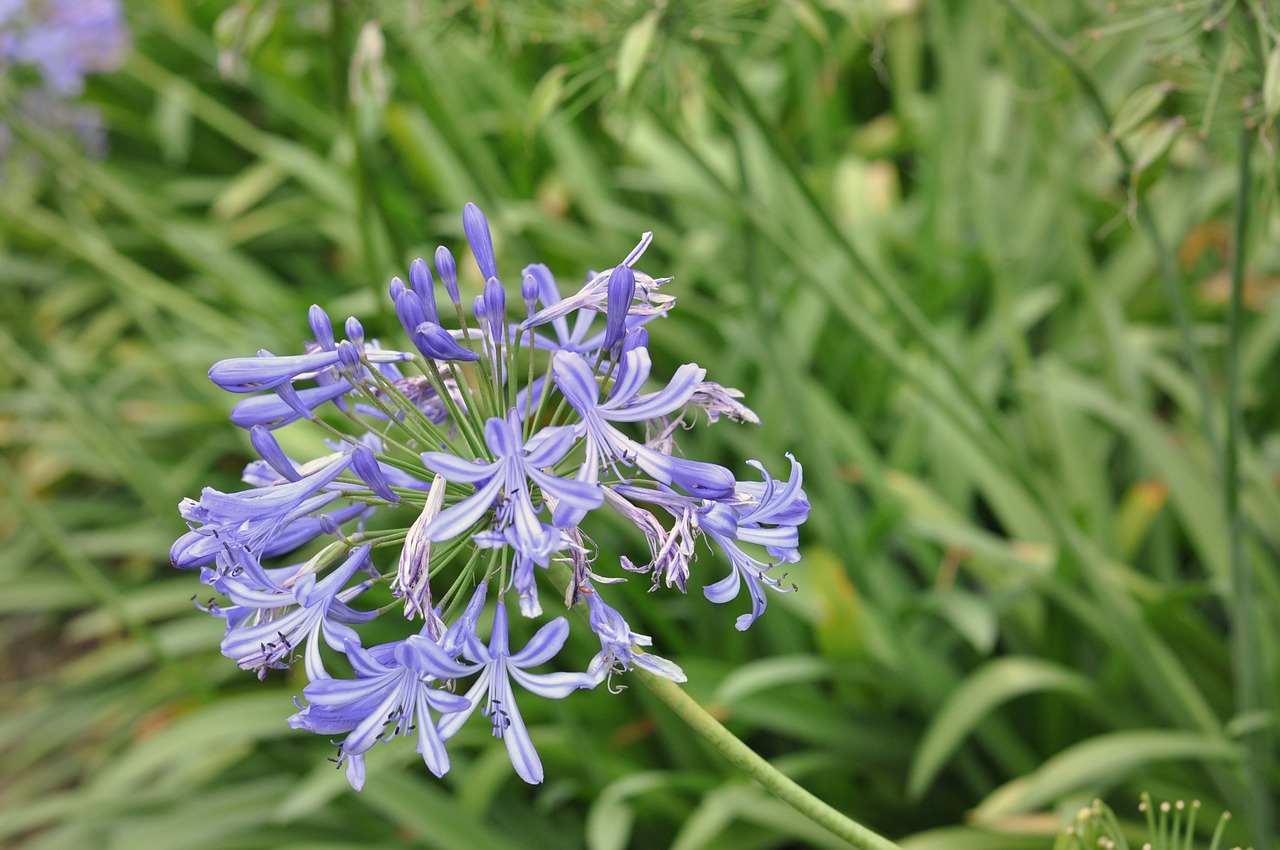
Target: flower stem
(751, 763)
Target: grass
(1002, 353)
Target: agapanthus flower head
(485, 450)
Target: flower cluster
(56, 44)
(473, 458)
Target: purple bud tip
(420, 277)
(409, 307)
(395, 288)
(355, 330)
(348, 354)
(321, 327)
(448, 270)
(636, 338)
(477, 308)
(622, 290)
(529, 292)
(476, 226)
(495, 307)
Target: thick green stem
(751, 763)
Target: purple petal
(576, 380)
(632, 373)
(524, 758)
(495, 307)
(576, 498)
(430, 747)
(420, 280)
(453, 721)
(549, 445)
(545, 643)
(501, 437)
(456, 469)
(270, 451)
(429, 657)
(552, 685)
(456, 520)
(666, 401)
(725, 590)
(321, 327)
(365, 464)
(438, 344)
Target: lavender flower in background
(484, 452)
(47, 48)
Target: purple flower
(393, 694)
(448, 270)
(438, 344)
(618, 643)
(670, 551)
(505, 481)
(510, 466)
(606, 446)
(763, 513)
(321, 612)
(253, 518)
(498, 667)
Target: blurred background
(971, 262)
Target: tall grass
(902, 229)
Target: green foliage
(900, 228)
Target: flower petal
(552, 685)
(576, 381)
(664, 402)
(455, 469)
(544, 644)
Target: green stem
(1246, 671)
(751, 763)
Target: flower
(618, 644)
(473, 457)
(321, 611)
(392, 695)
(505, 480)
(607, 446)
(498, 667)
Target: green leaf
(989, 687)
(1102, 760)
